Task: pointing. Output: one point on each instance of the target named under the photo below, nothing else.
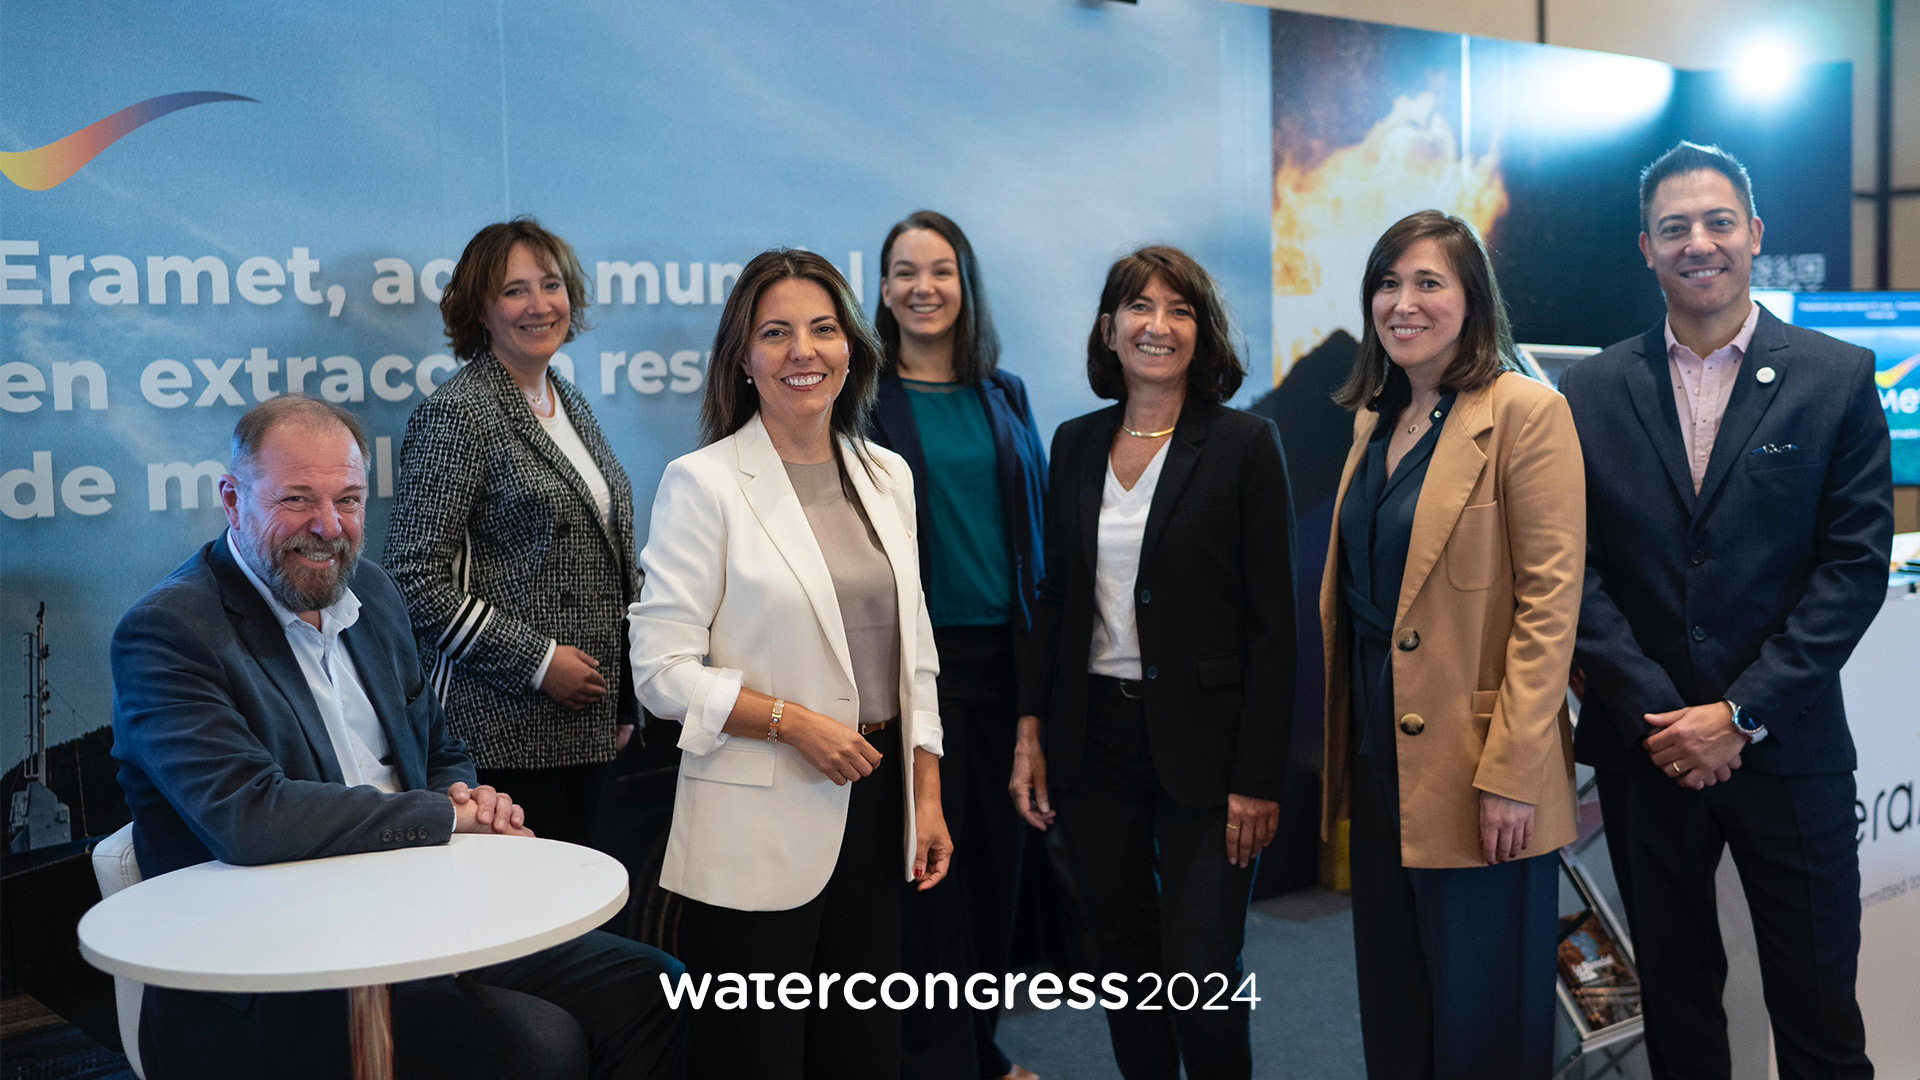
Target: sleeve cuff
(714, 695)
(540, 673)
(928, 734)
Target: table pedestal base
(371, 1021)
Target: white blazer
(738, 594)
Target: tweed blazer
(1484, 626)
(496, 545)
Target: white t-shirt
(560, 430)
(1123, 526)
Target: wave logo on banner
(1891, 377)
(55, 163)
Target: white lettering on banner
(607, 273)
(21, 385)
(116, 279)
(259, 279)
(617, 281)
(61, 269)
(433, 279)
(10, 272)
(165, 383)
(188, 477)
(649, 373)
(189, 272)
(695, 289)
(1896, 400)
(122, 287)
(263, 280)
(395, 283)
(83, 490)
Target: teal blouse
(971, 571)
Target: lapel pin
(1765, 375)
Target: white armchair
(115, 868)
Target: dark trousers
(1455, 966)
(1160, 896)
(1792, 839)
(852, 926)
(965, 924)
(592, 1007)
(561, 803)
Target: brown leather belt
(868, 729)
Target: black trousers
(965, 924)
(561, 803)
(592, 1007)
(1160, 896)
(1455, 966)
(1792, 839)
(852, 926)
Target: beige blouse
(862, 583)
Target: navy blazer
(1022, 466)
(1756, 589)
(222, 751)
(1214, 605)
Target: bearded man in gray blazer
(269, 705)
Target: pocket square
(1775, 448)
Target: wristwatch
(1747, 724)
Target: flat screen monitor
(1888, 323)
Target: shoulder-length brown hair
(483, 266)
(1486, 337)
(731, 400)
(976, 345)
(1216, 371)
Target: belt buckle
(1132, 689)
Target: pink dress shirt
(1701, 388)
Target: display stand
(1616, 1039)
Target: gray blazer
(222, 752)
(496, 545)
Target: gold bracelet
(773, 724)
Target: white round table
(355, 922)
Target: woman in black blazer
(979, 476)
(1161, 662)
(512, 536)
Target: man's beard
(345, 555)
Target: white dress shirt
(1122, 529)
(359, 742)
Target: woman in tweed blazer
(512, 536)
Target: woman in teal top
(979, 478)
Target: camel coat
(1484, 627)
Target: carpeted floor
(40, 1046)
(1306, 1026)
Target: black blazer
(1215, 605)
(222, 751)
(1758, 588)
(1022, 467)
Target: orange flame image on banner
(1326, 216)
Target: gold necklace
(1147, 434)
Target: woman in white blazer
(781, 621)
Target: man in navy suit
(1740, 516)
(269, 705)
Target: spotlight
(1766, 68)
